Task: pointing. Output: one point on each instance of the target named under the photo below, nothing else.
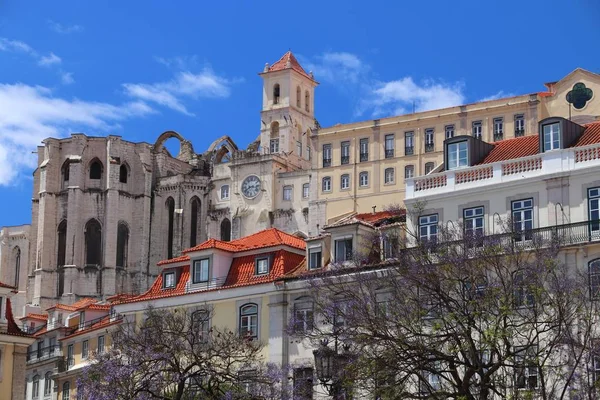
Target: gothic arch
(186, 150)
(274, 130)
(122, 244)
(222, 147)
(226, 230)
(95, 169)
(17, 265)
(124, 172)
(170, 206)
(195, 220)
(93, 242)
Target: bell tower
(287, 113)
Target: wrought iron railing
(210, 284)
(326, 162)
(498, 136)
(44, 353)
(519, 132)
(429, 147)
(389, 153)
(345, 159)
(88, 324)
(364, 157)
(409, 150)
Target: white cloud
(29, 114)
(48, 60)
(16, 46)
(336, 67)
(497, 96)
(64, 29)
(400, 96)
(67, 78)
(185, 84)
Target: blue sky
(138, 68)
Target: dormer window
(201, 270)
(315, 258)
(343, 249)
(551, 136)
(169, 280)
(458, 155)
(262, 265)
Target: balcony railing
(326, 162)
(345, 160)
(88, 324)
(429, 147)
(44, 353)
(519, 132)
(389, 153)
(210, 284)
(364, 157)
(409, 150)
(498, 136)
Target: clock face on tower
(251, 187)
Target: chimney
(374, 207)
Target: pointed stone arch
(222, 149)
(186, 150)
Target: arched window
(249, 320)
(276, 93)
(122, 244)
(96, 169)
(66, 390)
(170, 205)
(226, 230)
(195, 218)
(35, 390)
(62, 243)
(48, 383)
(345, 182)
(65, 172)
(326, 184)
(428, 167)
(594, 278)
(93, 242)
(298, 97)
(123, 173)
(274, 129)
(17, 252)
(363, 179)
(388, 175)
(307, 101)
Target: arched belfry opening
(96, 169)
(93, 242)
(122, 244)
(276, 93)
(170, 208)
(123, 173)
(222, 150)
(226, 230)
(195, 218)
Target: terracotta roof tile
(4, 285)
(513, 148)
(545, 94)
(12, 327)
(184, 257)
(242, 271)
(41, 331)
(591, 135)
(370, 219)
(258, 240)
(75, 306)
(39, 317)
(156, 291)
(281, 64)
(103, 323)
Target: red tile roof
(39, 317)
(12, 327)
(370, 219)
(184, 257)
(545, 94)
(75, 306)
(281, 64)
(591, 135)
(103, 323)
(513, 148)
(156, 291)
(4, 285)
(258, 240)
(242, 271)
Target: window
(100, 344)
(303, 383)
(389, 146)
(303, 315)
(594, 210)
(70, 358)
(169, 280)
(409, 143)
(314, 258)
(345, 182)
(196, 216)
(170, 206)
(274, 146)
(594, 278)
(498, 128)
(249, 320)
(428, 227)
(287, 193)
(519, 125)
(433, 379)
(474, 224)
(48, 383)
(17, 252)
(122, 244)
(343, 249)
(65, 174)
(123, 173)
(93, 242)
(307, 101)
(201, 270)
(388, 176)
(522, 218)
(299, 148)
(476, 129)
(326, 184)
(35, 390)
(200, 324)
(305, 190)
(429, 142)
(298, 97)
(226, 230)
(391, 245)
(429, 167)
(458, 155)
(84, 349)
(522, 287)
(96, 170)
(345, 153)
(364, 149)
(66, 391)
(225, 192)
(526, 371)
(276, 93)
(409, 171)
(62, 244)
(248, 381)
(262, 266)
(308, 156)
(551, 136)
(363, 179)
(326, 155)
(449, 131)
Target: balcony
(45, 353)
(364, 157)
(326, 162)
(429, 147)
(93, 322)
(210, 284)
(498, 136)
(532, 167)
(519, 132)
(409, 150)
(345, 160)
(389, 153)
